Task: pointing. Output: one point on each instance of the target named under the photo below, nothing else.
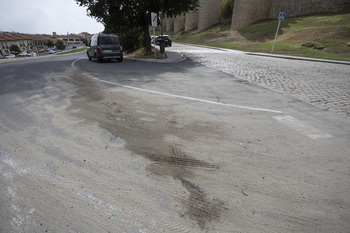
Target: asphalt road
(178, 147)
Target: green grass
(331, 31)
(73, 51)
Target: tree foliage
(15, 49)
(60, 45)
(130, 19)
(226, 8)
(49, 43)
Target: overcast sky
(45, 17)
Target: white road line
(73, 63)
(189, 98)
(290, 121)
(302, 127)
(181, 97)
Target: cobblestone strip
(324, 85)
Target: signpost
(154, 19)
(281, 17)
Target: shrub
(226, 8)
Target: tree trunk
(146, 37)
(147, 41)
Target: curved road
(178, 147)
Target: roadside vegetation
(73, 51)
(325, 36)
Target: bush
(50, 43)
(226, 8)
(15, 49)
(60, 45)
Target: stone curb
(299, 58)
(275, 55)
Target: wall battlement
(247, 12)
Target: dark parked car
(166, 38)
(105, 46)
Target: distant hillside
(324, 36)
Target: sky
(45, 17)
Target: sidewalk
(298, 58)
(171, 57)
(273, 55)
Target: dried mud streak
(115, 114)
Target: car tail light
(98, 47)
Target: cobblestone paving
(325, 85)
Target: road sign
(281, 16)
(154, 19)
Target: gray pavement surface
(322, 83)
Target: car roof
(107, 35)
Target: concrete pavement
(322, 83)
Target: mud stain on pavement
(123, 116)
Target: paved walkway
(323, 83)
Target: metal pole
(279, 22)
(161, 18)
(154, 43)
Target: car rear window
(108, 40)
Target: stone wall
(191, 21)
(208, 14)
(169, 24)
(247, 12)
(179, 23)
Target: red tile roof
(20, 36)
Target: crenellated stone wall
(169, 24)
(208, 14)
(247, 12)
(179, 23)
(191, 21)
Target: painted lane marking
(290, 121)
(189, 98)
(73, 63)
(179, 96)
(302, 127)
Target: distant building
(25, 42)
(28, 42)
(70, 39)
(85, 35)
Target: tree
(60, 45)
(50, 43)
(85, 41)
(226, 8)
(130, 19)
(15, 49)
